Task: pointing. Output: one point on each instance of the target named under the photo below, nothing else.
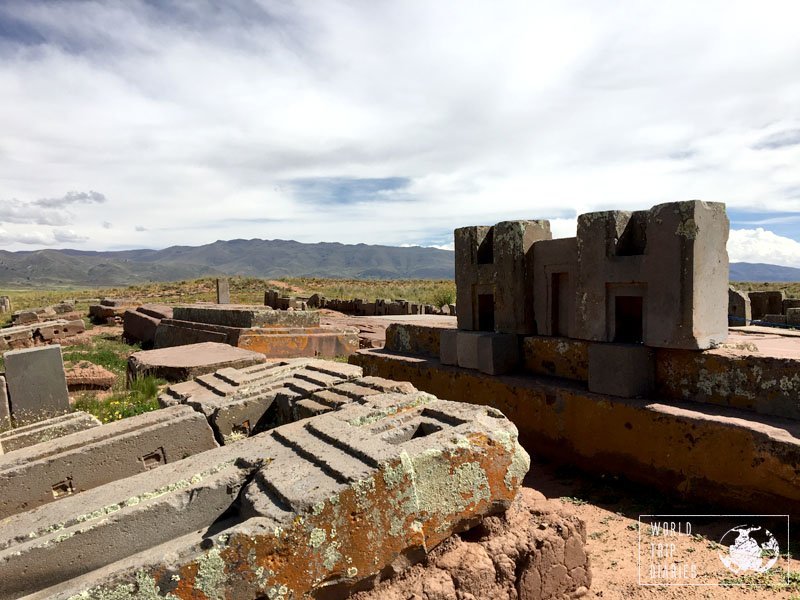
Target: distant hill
(255, 258)
(260, 258)
(762, 272)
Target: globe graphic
(745, 554)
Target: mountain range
(259, 258)
(255, 258)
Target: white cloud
(198, 124)
(762, 246)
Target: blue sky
(146, 124)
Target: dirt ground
(611, 508)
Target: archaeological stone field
(325, 448)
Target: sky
(149, 124)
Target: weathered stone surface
(535, 551)
(770, 319)
(44, 431)
(328, 502)
(748, 460)
(244, 316)
(409, 338)
(793, 316)
(5, 304)
(185, 362)
(48, 471)
(88, 376)
(37, 386)
(556, 357)
(5, 410)
(626, 370)
(223, 291)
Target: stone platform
(730, 457)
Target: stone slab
(235, 315)
(49, 471)
(749, 460)
(322, 341)
(185, 362)
(171, 333)
(5, 410)
(44, 431)
(331, 501)
(37, 385)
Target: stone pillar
(223, 291)
(37, 385)
(5, 304)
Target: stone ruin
(110, 311)
(294, 479)
(607, 351)
(35, 326)
(357, 307)
(273, 333)
(5, 304)
(771, 309)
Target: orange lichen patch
(316, 342)
(556, 356)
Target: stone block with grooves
(46, 430)
(37, 385)
(52, 470)
(184, 362)
(234, 315)
(325, 504)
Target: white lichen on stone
(211, 577)
(317, 537)
(145, 588)
(520, 464)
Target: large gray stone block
(37, 384)
(467, 348)
(498, 353)
(625, 370)
(59, 468)
(234, 315)
(448, 347)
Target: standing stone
(5, 304)
(37, 384)
(223, 291)
(5, 412)
(739, 310)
